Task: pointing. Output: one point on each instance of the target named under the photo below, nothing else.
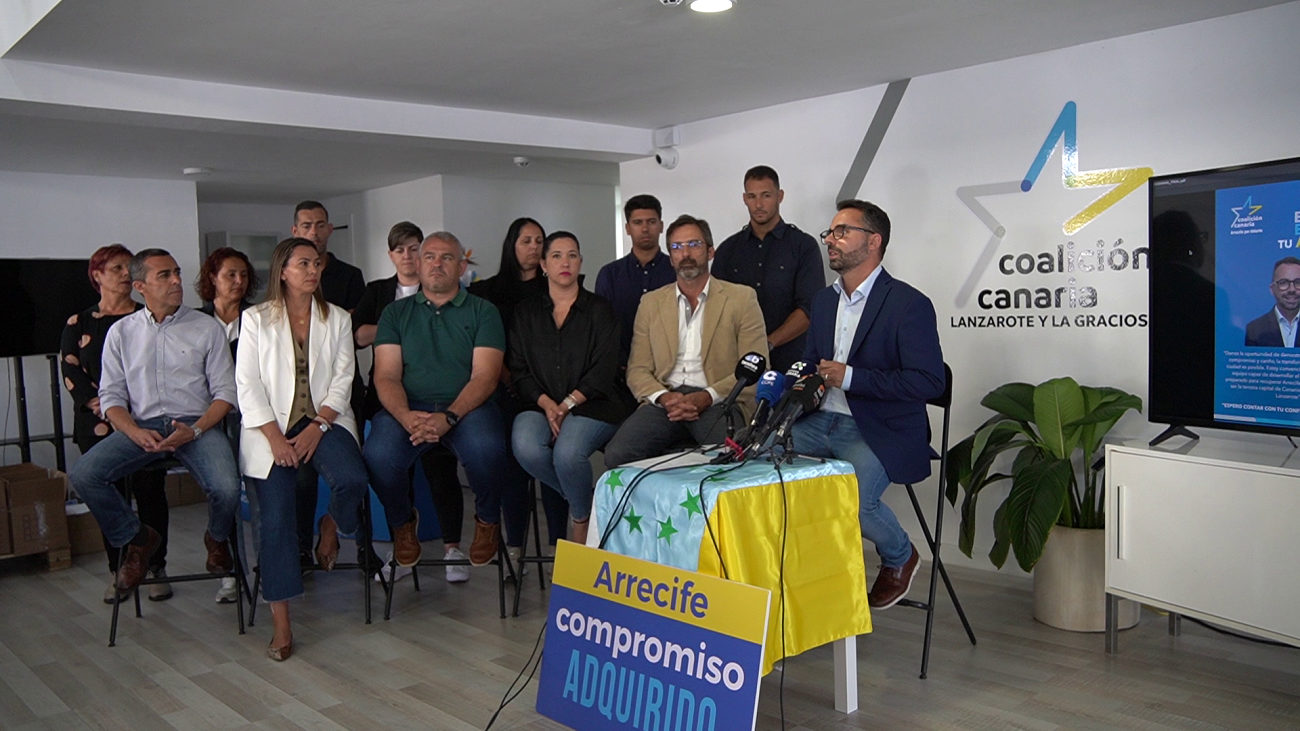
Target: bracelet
(570, 402)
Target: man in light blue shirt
(168, 381)
(875, 341)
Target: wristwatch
(569, 402)
(452, 418)
(324, 425)
(197, 433)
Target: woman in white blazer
(294, 373)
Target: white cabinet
(1213, 534)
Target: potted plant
(1054, 430)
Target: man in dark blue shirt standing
(644, 269)
(781, 263)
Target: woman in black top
(518, 279)
(81, 355)
(564, 357)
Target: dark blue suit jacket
(897, 366)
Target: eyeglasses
(1284, 285)
(692, 245)
(842, 230)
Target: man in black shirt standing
(340, 282)
(781, 263)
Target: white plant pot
(1070, 583)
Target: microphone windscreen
(797, 369)
(750, 366)
(808, 392)
(770, 387)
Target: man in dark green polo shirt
(438, 357)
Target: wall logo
(1063, 258)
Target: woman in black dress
(80, 356)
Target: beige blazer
(733, 326)
(264, 376)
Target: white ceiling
(627, 62)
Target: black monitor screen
(37, 296)
(1225, 298)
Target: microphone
(770, 389)
(790, 407)
(797, 369)
(747, 372)
(806, 397)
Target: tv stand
(1174, 430)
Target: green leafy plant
(1045, 425)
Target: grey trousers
(649, 433)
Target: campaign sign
(632, 644)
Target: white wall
(68, 217)
(1207, 94)
(255, 218)
(370, 214)
(479, 211)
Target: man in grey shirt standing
(168, 381)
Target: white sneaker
(387, 571)
(229, 591)
(515, 554)
(456, 574)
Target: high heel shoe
(282, 653)
(327, 529)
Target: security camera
(666, 157)
(521, 161)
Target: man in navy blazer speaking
(875, 341)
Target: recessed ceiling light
(711, 6)
(196, 171)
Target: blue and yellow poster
(632, 644)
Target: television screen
(1225, 298)
(37, 296)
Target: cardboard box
(37, 522)
(8, 474)
(83, 531)
(183, 489)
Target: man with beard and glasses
(685, 344)
(875, 341)
(1277, 327)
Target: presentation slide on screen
(1257, 273)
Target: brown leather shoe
(219, 559)
(327, 545)
(281, 653)
(893, 584)
(406, 541)
(136, 562)
(484, 547)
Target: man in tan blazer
(685, 345)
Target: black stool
(502, 562)
(937, 570)
(236, 572)
(539, 558)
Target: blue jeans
(208, 459)
(338, 460)
(562, 465)
(828, 434)
(478, 441)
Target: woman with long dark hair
(294, 373)
(518, 279)
(80, 357)
(564, 358)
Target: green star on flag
(713, 473)
(666, 530)
(615, 479)
(692, 505)
(633, 520)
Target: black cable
(1240, 636)
(785, 518)
(507, 698)
(616, 515)
(707, 523)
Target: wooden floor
(445, 659)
